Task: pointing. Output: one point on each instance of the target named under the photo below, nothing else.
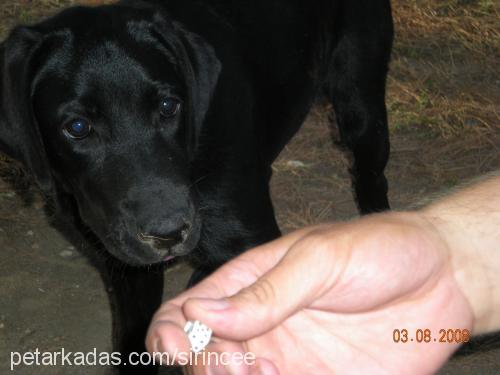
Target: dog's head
(105, 105)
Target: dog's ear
(201, 69)
(201, 80)
(19, 133)
(196, 63)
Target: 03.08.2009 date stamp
(448, 336)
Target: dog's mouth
(169, 258)
(146, 250)
(166, 248)
(169, 245)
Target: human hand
(327, 299)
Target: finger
(268, 255)
(166, 333)
(305, 272)
(237, 274)
(264, 367)
(225, 357)
(244, 270)
(167, 343)
(228, 357)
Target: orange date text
(448, 336)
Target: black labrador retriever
(151, 126)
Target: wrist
(469, 264)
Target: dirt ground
(444, 103)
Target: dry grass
(443, 100)
(445, 71)
(13, 12)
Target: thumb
(302, 275)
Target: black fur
(141, 186)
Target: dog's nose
(166, 235)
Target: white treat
(199, 335)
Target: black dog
(151, 126)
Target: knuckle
(261, 292)
(319, 241)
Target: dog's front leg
(134, 294)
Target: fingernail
(263, 367)
(213, 304)
(157, 347)
(217, 370)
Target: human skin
(327, 299)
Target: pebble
(39, 205)
(66, 253)
(295, 164)
(30, 233)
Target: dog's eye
(170, 107)
(77, 129)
